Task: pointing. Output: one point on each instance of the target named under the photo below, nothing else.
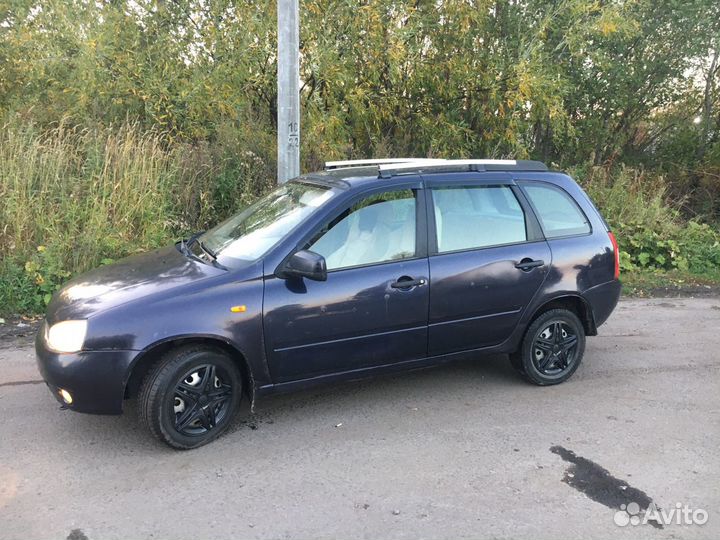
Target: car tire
(552, 349)
(190, 396)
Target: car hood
(126, 280)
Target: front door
(487, 261)
(373, 308)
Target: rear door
(487, 260)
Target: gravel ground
(467, 450)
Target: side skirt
(365, 373)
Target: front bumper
(96, 379)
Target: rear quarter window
(558, 213)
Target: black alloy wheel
(190, 396)
(202, 399)
(552, 348)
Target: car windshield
(254, 231)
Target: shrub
(648, 224)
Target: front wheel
(191, 396)
(552, 348)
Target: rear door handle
(406, 282)
(529, 264)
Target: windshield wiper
(210, 253)
(207, 250)
(194, 239)
(184, 248)
(185, 245)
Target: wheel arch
(149, 356)
(573, 302)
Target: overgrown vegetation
(651, 229)
(73, 199)
(128, 124)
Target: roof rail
(331, 165)
(391, 169)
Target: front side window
(559, 215)
(476, 217)
(251, 233)
(379, 228)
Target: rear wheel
(191, 396)
(552, 348)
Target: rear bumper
(603, 299)
(96, 379)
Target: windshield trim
(322, 181)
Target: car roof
(354, 176)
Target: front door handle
(528, 264)
(406, 282)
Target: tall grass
(628, 195)
(91, 196)
(72, 199)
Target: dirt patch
(687, 291)
(18, 332)
(669, 288)
(677, 291)
(77, 534)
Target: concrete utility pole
(288, 80)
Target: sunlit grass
(72, 199)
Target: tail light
(617, 254)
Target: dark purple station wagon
(364, 268)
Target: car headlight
(67, 336)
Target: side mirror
(307, 264)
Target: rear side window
(558, 213)
(476, 217)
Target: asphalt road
(467, 450)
